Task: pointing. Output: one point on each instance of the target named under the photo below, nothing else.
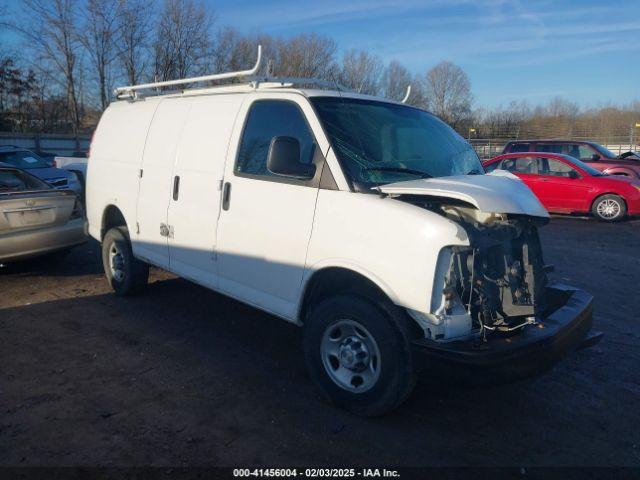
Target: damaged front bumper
(564, 326)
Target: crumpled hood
(491, 193)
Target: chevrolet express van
(367, 222)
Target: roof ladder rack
(130, 91)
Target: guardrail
(63, 145)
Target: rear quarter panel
(116, 156)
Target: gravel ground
(184, 376)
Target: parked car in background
(591, 153)
(77, 165)
(35, 218)
(564, 184)
(27, 160)
(48, 157)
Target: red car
(564, 184)
(591, 153)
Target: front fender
(392, 243)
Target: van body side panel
(392, 243)
(116, 156)
(151, 243)
(264, 234)
(200, 160)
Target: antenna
(131, 89)
(406, 96)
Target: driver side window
(268, 119)
(585, 153)
(555, 168)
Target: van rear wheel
(358, 354)
(126, 274)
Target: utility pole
(632, 135)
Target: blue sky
(587, 51)
(584, 50)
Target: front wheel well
(593, 202)
(332, 281)
(112, 217)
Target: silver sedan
(35, 218)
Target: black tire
(616, 204)
(391, 332)
(132, 275)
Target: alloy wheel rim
(609, 208)
(350, 356)
(116, 263)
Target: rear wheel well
(336, 280)
(111, 218)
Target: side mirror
(284, 159)
(595, 157)
(573, 174)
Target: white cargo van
(368, 222)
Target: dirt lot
(184, 376)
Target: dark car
(48, 157)
(592, 153)
(37, 166)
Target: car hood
(498, 192)
(48, 173)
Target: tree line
(73, 52)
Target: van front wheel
(126, 274)
(357, 352)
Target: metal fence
(63, 145)
(68, 145)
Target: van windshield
(378, 142)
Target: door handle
(226, 196)
(176, 187)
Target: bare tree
(448, 90)
(234, 51)
(307, 55)
(50, 28)
(134, 37)
(98, 36)
(395, 80)
(182, 44)
(362, 72)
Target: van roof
(267, 87)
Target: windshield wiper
(475, 171)
(410, 171)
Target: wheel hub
(609, 208)
(116, 262)
(350, 355)
(354, 354)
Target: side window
(550, 166)
(572, 150)
(492, 166)
(549, 147)
(519, 165)
(268, 119)
(520, 147)
(585, 153)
